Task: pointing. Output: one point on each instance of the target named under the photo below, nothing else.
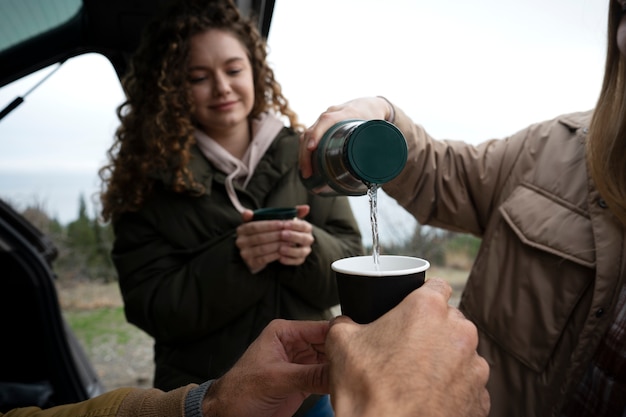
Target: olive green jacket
(545, 282)
(184, 282)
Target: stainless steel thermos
(355, 154)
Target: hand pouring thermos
(354, 155)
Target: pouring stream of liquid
(372, 193)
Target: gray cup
(367, 291)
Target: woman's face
(222, 84)
(621, 30)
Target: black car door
(41, 361)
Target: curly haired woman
(201, 144)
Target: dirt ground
(119, 364)
(131, 363)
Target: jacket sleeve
(336, 235)
(122, 402)
(176, 293)
(452, 184)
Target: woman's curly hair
(156, 130)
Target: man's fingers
(311, 379)
(339, 333)
(295, 334)
(485, 404)
(341, 319)
(440, 286)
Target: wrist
(348, 407)
(374, 399)
(195, 400)
(357, 401)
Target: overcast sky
(467, 70)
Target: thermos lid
(377, 151)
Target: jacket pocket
(530, 275)
(543, 223)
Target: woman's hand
(261, 242)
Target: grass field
(120, 352)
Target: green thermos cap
(376, 151)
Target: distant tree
(427, 242)
(80, 232)
(461, 250)
(82, 247)
(438, 246)
(49, 227)
(90, 245)
(103, 245)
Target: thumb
(303, 210)
(438, 285)
(247, 215)
(341, 332)
(311, 379)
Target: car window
(19, 23)
(55, 141)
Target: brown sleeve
(108, 404)
(155, 403)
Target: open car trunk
(42, 363)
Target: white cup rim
(364, 265)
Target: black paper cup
(367, 291)
(275, 213)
